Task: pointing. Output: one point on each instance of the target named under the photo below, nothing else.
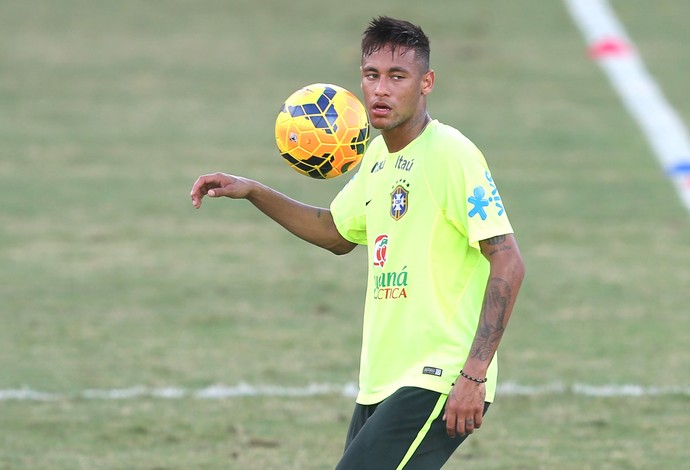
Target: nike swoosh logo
(367, 203)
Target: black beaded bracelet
(473, 379)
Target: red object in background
(609, 47)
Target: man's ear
(428, 82)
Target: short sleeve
(474, 204)
(349, 210)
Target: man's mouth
(380, 108)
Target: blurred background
(110, 280)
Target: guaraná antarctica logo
(380, 250)
(387, 285)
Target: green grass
(110, 279)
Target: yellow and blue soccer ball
(322, 130)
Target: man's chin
(381, 124)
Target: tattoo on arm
(497, 244)
(492, 323)
(497, 240)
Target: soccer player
(444, 266)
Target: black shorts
(406, 430)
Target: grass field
(109, 279)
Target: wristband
(473, 379)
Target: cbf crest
(400, 199)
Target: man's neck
(398, 138)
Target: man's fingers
(220, 191)
(450, 424)
(198, 191)
(210, 185)
(197, 196)
(449, 416)
(478, 420)
(199, 184)
(456, 424)
(461, 424)
(196, 199)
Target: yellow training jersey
(421, 212)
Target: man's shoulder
(449, 147)
(445, 134)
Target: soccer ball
(322, 131)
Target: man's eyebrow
(371, 68)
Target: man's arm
(466, 400)
(313, 224)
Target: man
(444, 267)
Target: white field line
(221, 392)
(616, 54)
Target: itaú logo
(380, 250)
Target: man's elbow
(342, 247)
(518, 268)
(509, 265)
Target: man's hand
(218, 185)
(464, 407)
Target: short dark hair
(386, 31)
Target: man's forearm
(493, 320)
(505, 278)
(312, 224)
